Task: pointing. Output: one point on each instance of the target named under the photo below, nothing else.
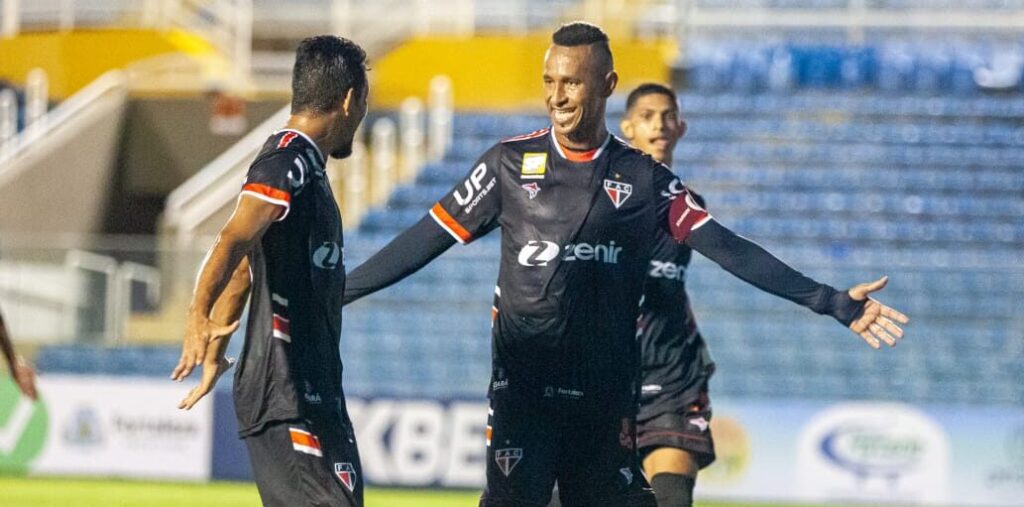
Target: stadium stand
(799, 172)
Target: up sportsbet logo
(23, 427)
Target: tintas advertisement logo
(23, 427)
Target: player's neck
(316, 129)
(585, 141)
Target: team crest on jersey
(617, 191)
(346, 474)
(507, 459)
(533, 188)
(534, 166)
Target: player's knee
(671, 460)
(673, 490)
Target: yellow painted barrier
(74, 59)
(497, 72)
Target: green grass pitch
(39, 492)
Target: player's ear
(683, 128)
(611, 80)
(349, 102)
(626, 127)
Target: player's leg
(291, 470)
(522, 456)
(675, 447)
(673, 474)
(601, 466)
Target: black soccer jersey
(577, 239)
(675, 360)
(290, 363)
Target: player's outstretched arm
(871, 320)
(407, 253)
(20, 368)
(244, 229)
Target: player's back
(290, 363)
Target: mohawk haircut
(581, 33)
(326, 68)
(650, 89)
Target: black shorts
(530, 446)
(307, 463)
(688, 429)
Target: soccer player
(286, 235)
(21, 371)
(579, 212)
(673, 436)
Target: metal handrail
(58, 118)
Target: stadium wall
(498, 72)
(165, 141)
(768, 450)
(73, 165)
(74, 59)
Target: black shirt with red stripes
(577, 237)
(578, 234)
(290, 365)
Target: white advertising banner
(106, 426)
(871, 452)
(421, 442)
(774, 451)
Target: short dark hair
(650, 89)
(326, 68)
(581, 33)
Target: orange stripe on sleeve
(449, 223)
(268, 191)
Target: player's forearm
(754, 265)
(231, 303)
(10, 356)
(403, 256)
(224, 258)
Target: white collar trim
(600, 149)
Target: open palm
(879, 323)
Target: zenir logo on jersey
(534, 166)
(617, 191)
(507, 459)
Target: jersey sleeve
(472, 208)
(680, 211)
(276, 179)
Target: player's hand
(878, 323)
(199, 333)
(25, 377)
(213, 367)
